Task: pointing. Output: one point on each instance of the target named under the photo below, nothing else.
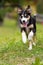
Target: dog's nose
(23, 21)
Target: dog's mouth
(25, 24)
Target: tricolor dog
(27, 25)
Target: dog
(27, 26)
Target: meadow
(12, 49)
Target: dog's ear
(28, 9)
(19, 10)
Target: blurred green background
(36, 5)
(12, 49)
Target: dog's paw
(24, 40)
(30, 48)
(24, 37)
(34, 44)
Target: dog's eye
(21, 16)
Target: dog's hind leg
(30, 37)
(24, 37)
(30, 45)
(34, 40)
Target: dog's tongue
(25, 24)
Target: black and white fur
(27, 25)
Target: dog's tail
(34, 16)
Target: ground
(12, 49)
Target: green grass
(12, 49)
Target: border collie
(27, 25)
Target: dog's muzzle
(24, 24)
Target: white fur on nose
(24, 19)
(23, 37)
(30, 36)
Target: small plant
(37, 61)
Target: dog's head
(24, 15)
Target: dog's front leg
(24, 37)
(30, 37)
